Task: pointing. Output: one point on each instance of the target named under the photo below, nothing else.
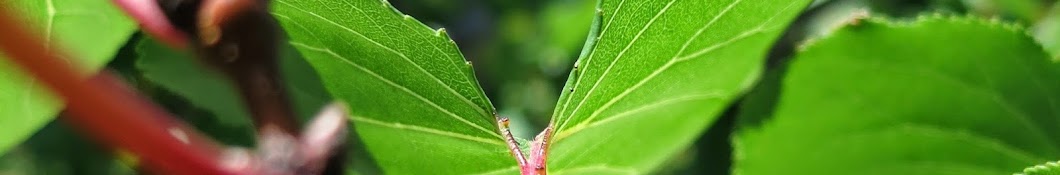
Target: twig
(110, 112)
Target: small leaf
(206, 88)
(1048, 168)
(655, 75)
(178, 72)
(935, 96)
(89, 31)
(414, 101)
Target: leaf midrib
(677, 58)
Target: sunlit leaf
(91, 31)
(414, 101)
(657, 73)
(898, 98)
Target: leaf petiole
(538, 149)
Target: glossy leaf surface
(656, 74)
(412, 96)
(1048, 168)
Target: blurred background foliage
(522, 51)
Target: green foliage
(58, 148)
(657, 74)
(413, 108)
(411, 95)
(89, 31)
(178, 72)
(934, 95)
(903, 102)
(207, 89)
(401, 90)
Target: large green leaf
(415, 102)
(413, 98)
(659, 72)
(91, 31)
(936, 96)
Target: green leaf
(657, 74)
(90, 31)
(1048, 168)
(935, 96)
(178, 72)
(208, 89)
(414, 101)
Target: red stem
(150, 17)
(539, 151)
(525, 167)
(111, 113)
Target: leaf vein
(500, 171)
(402, 126)
(694, 97)
(391, 83)
(601, 168)
(618, 57)
(670, 63)
(589, 59)
(402, 55)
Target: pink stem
(539, 151)
(513, 146)
(150, 17)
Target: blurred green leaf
(178, 72)
(1047, 31)
(411, 95)
(564, 23)
(89, 30)
(890, 98)
(1048, 168)
(1025, 11)
(659, 72)
(58, 148)
(914, 8)
(208, 89)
